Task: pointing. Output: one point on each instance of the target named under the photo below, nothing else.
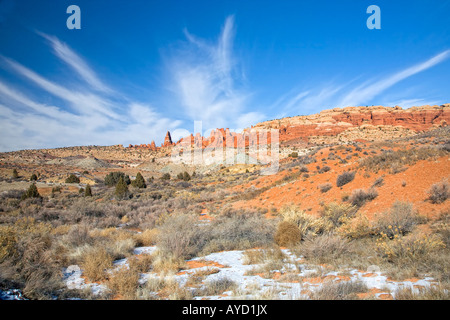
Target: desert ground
(361, 212)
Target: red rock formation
(327, 123)
(167, 140)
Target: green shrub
(165, 176)
(32, 192)
(88, 191)
(72, 179)
(139, 182)
(121, 191)
(113, 178)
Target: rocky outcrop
(334, 122)
(167, 140)
(328, 126)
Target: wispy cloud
(93, 114)
(364, 93)
(206, 80)
(66, 54)
(331, 95)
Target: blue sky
(136, 69)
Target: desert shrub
(72, 179)
(337, 214)
(378, 182)
(259, 256)
(147, 237)
(413, 247)
(306, 223)
(165, 176)
(26, 258)
(356, 228)
(141, 263)
(439, 192)
(139, 182)
(287, 234)
(32, 192)
(345, 290)
(124, 282)
(359, 196)
(324, 169)
(181, 237)
(33, 177)
(216, 287)
(324, 248)
(345, 178)
(15, 174)
(167, 262)
(88, 191)
(395, 160)
(399, 220)
(293, 154)
(11, 194)
(239, 231)
(303, 169)
(78, 235)
(95, 263)
(325, 187)
(113, 178)
(121, 191)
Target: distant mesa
(338, 124)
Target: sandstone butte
(334, 125)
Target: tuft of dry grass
(434, 292)
(346, 290)
(324, 248)
(95, 263)
(287, 234)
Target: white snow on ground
(255, 286)
(11, 294)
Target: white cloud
(365, 93)
(65, 53)
(205, 80)
(332, 95)
(82, 118)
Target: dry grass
(287, 234)
(435, 292)
(346, 290)
(124, 282)
(394, 161)
(400, 219)
(95, 263)
(324, 248)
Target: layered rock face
(328, 126)
(355, 121)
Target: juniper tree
(32, 192)
(121, 189)
(139, 182)
(88, 191)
